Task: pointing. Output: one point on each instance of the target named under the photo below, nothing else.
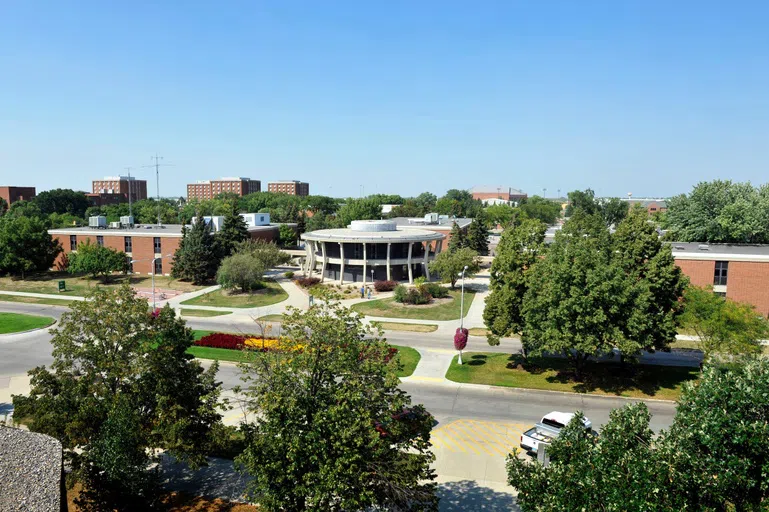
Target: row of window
(127, 243)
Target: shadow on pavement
(468, 495)
(218, 480)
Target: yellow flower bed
(279, 344)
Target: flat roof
(353, 236)
(170, 230)
(488, 189)
(725, 252)
(442, 225)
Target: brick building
(739, 272)
(294, 188)
(143, 243)
(209, 189)
(13, 194)
(115, 187)
(497, 193)
(651, 205)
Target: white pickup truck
(548, 429)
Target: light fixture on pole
(460, 337)
(153, 275)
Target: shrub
(222, 340)
(435, 290)
(244, 271)
(385, 286)
(400, 293)
(289, 274)
(306, 282)
(415, 296)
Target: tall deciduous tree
(358, 209)
(25, 245)
(478, 236)
(449, 264)
(234, 230)
(459, 203)
(241, 270)
(335, 432)
(721, 325)
(62, 200)
(581, 200)
(613, 210)
(519, 248)
(96, 260)
(121, 384)
(542, 209)
(198, 255)
(713, 458)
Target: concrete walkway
(42, 295)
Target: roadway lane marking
(483, 438)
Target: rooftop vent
(680, 248)
(703, 247)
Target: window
(100, 241)
(720, 276)
(158, 266)
(73, 242)
(128, 245)
(157, 245)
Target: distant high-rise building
(113, 187)
(13, 194)
(209, 189)
(291, 187)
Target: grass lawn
(442, 311)
(15, 322)
(48, 282)
(204, 312)
(34, 300)
(401, 326)
(478, 331)
(272, 293)
(642, 381)
(271, 318)
(409, 357)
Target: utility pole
(157, 165)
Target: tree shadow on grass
(467, 495)
(477, 360)
(607, 377)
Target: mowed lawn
(34, 300)
(272, 293)
(15, 322)
(554, 374)
(203, 312)
(388, 308)
(48, 282)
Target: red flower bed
(222, 340)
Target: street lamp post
(153, 275)
(462, 340)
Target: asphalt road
(448, 402)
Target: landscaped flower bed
(238, 342)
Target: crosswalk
(482, 438)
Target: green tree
(287, 235)
(542, 209)
(121, 386)
(457, 238)
(322, 204)
(198, 255)
(332, 433)
(358, 209)
(577, 299)
(518, 250)
(234, 230)
(656, 283)
(266, 252)
(25, 209)
(426, 201)
(458, 203)
(25, 245)
(581, 200)
(478, 236)
(301, 225)
(409, 208)
(3, 206)
(500, 214)
(319, 221)
(65, 220)
(449, 264)
(241, 270)
(62, 200)
(618, 470)
(721, 325)
(713, 458)
(96, 260)
(613, 210)
(720, 212)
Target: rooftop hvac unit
(215, 222)
(127, 220)
(431, 218)
(114, 225)
(99, 221)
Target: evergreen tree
(198, 256)
(301, 224)
(477, 237)
(234, 230)
(457, 238)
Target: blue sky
(637, 96)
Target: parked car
(548, 429)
